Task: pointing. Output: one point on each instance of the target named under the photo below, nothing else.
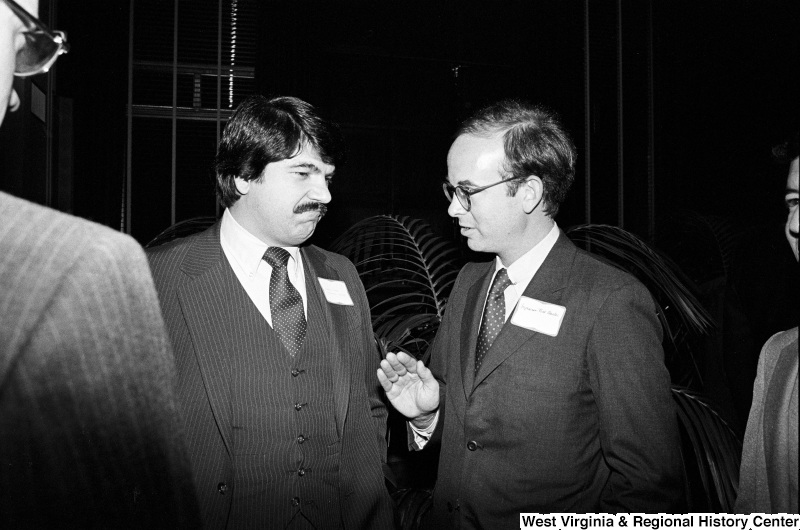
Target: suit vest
(286, 449)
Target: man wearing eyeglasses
(89, 428)
(547, 381)
(28, 48)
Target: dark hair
(535, 143)
(264, 130)
(787, 151)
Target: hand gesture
(409, 385)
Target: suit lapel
(339, 323)
(547, 285)
(470, 325)
(777, 408)
(206, 301)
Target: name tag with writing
(538, 316)
(335, 291)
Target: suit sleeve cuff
(418, 438)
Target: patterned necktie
(285, 303)
(494, 316)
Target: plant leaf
(400, 260)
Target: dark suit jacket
(89, 431)
(188, 276)
(768, 477)
(580, 422)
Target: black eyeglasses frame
(464, 197)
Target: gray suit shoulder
(166, 259)
(46, 239)
(781, 340)
(171, 249)
(590, 268)
(777, 344)
(19, 213)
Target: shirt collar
(526, 266)
(246, 248)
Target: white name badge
(538, 316)
(335, 291)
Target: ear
(242, 185)
(531, 191)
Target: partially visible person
(769, 472)
(760, 298)
(89, 431)
(547, 379)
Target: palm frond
(412, 334)
(408, 273)
(400, 259)
(704, 244)
(716, 450)
(723, 232)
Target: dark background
(400, 75)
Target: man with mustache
(273, 341)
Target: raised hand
(410, 386)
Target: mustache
(310, 207)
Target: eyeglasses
(463, 194)
(42, 46)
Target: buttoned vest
(285, 443)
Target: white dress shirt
(521, 272)
(245, 251)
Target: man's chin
(305, 229)
(475, 245)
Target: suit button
(295, 372)
(472, 445)
(301, 439)
(296, 502)
(222, 488)
(298, 406)
(301, 472)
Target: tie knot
(277, 257)
(501, 281)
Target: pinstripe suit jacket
(189, 279)
(88, 418)
(580, 422)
